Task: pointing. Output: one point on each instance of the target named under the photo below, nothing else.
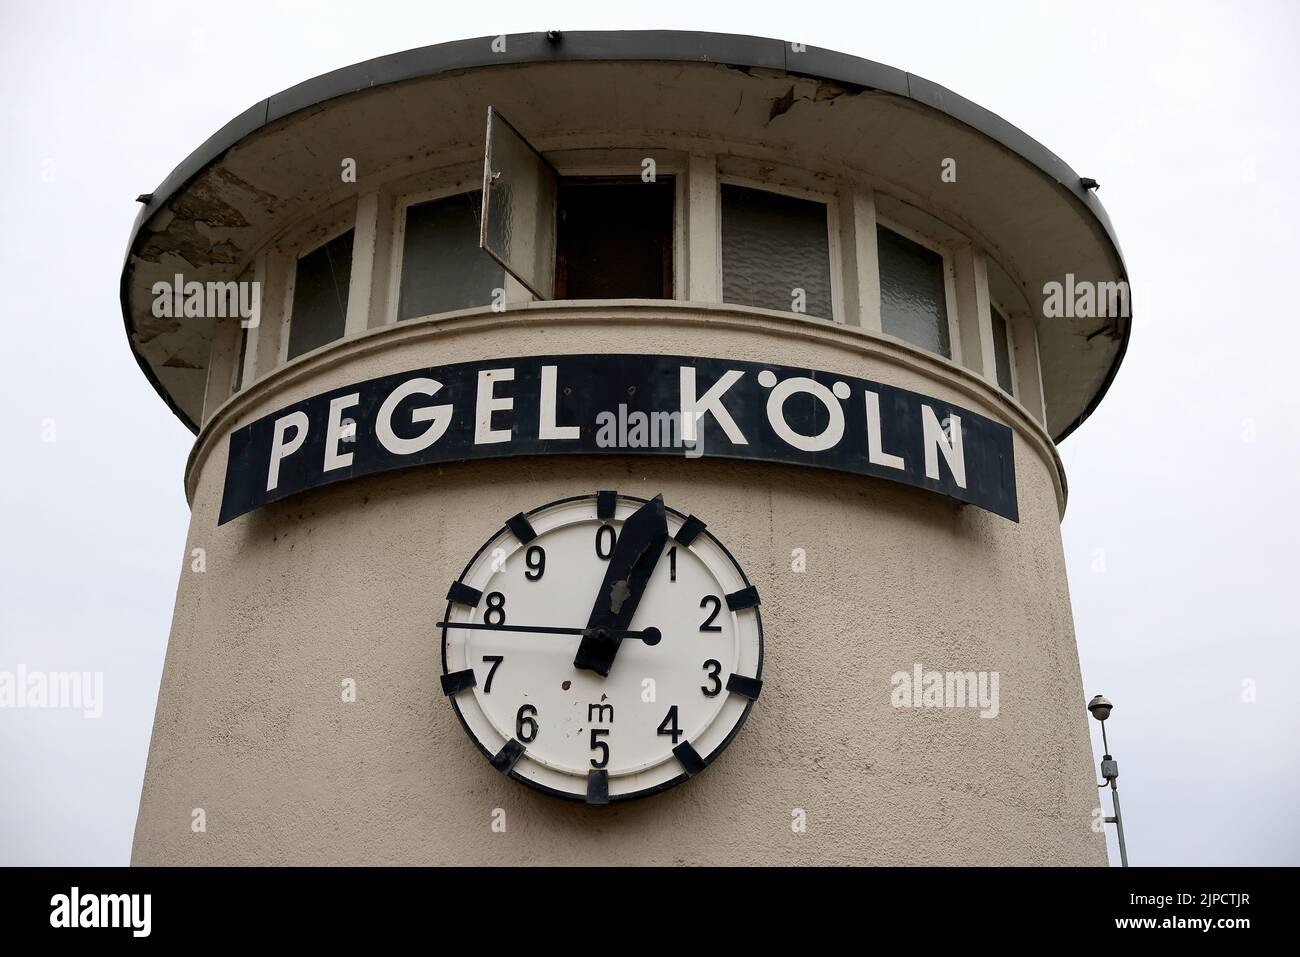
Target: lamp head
(1100, 707)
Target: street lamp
(1101, 707)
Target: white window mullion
(269, 339)
(1028, 367)
(861, 271)
(971, 282)
(704, 232)
(222, 362)
(365, 249)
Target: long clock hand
(650, 636)
(630, 566)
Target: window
(576, 237)
(519, 206)
(442, 266)
(1002, 349)
(614, 238)
(772, 246)
(913, 301)
(320, 296)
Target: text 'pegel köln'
(622, 405)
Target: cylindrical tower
(623, 448)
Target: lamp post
(1100, 707)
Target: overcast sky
(1181, 531)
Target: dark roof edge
(630, 45)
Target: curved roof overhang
(278, 162)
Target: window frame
(302, 243)
(624, 178)
(613, 163)
(782, 187)
(1009, 322)
(949, 287)
(468, 178)
(452, 184)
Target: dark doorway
(614, 238)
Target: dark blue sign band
(619, 405)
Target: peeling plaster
(213, 201)
(149, 328)
(781, 105)
(824, 93)
(184, 239)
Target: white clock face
(602, 647)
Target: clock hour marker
(691, 761)
(745, 598)
(521, 528)
(744, 686)
(689, 530)
(458, 681)
(509, 754)
(605, 504)
(598, 787)
(463, 594)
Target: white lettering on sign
(546, 427)
(830, 436)
(334, 431)
(281, 449)
(876, 453)
(605, 404)
(438, 417)
(937, 440)
(489, 402)
(695, 407)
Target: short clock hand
(635, 555)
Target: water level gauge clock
(602, 647)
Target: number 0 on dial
(602, 647)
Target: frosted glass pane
(913, 306)
(442, 265)
(1002, 351)
(771, 245)
(320, 296)
(519, 207)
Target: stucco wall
(346, 582)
